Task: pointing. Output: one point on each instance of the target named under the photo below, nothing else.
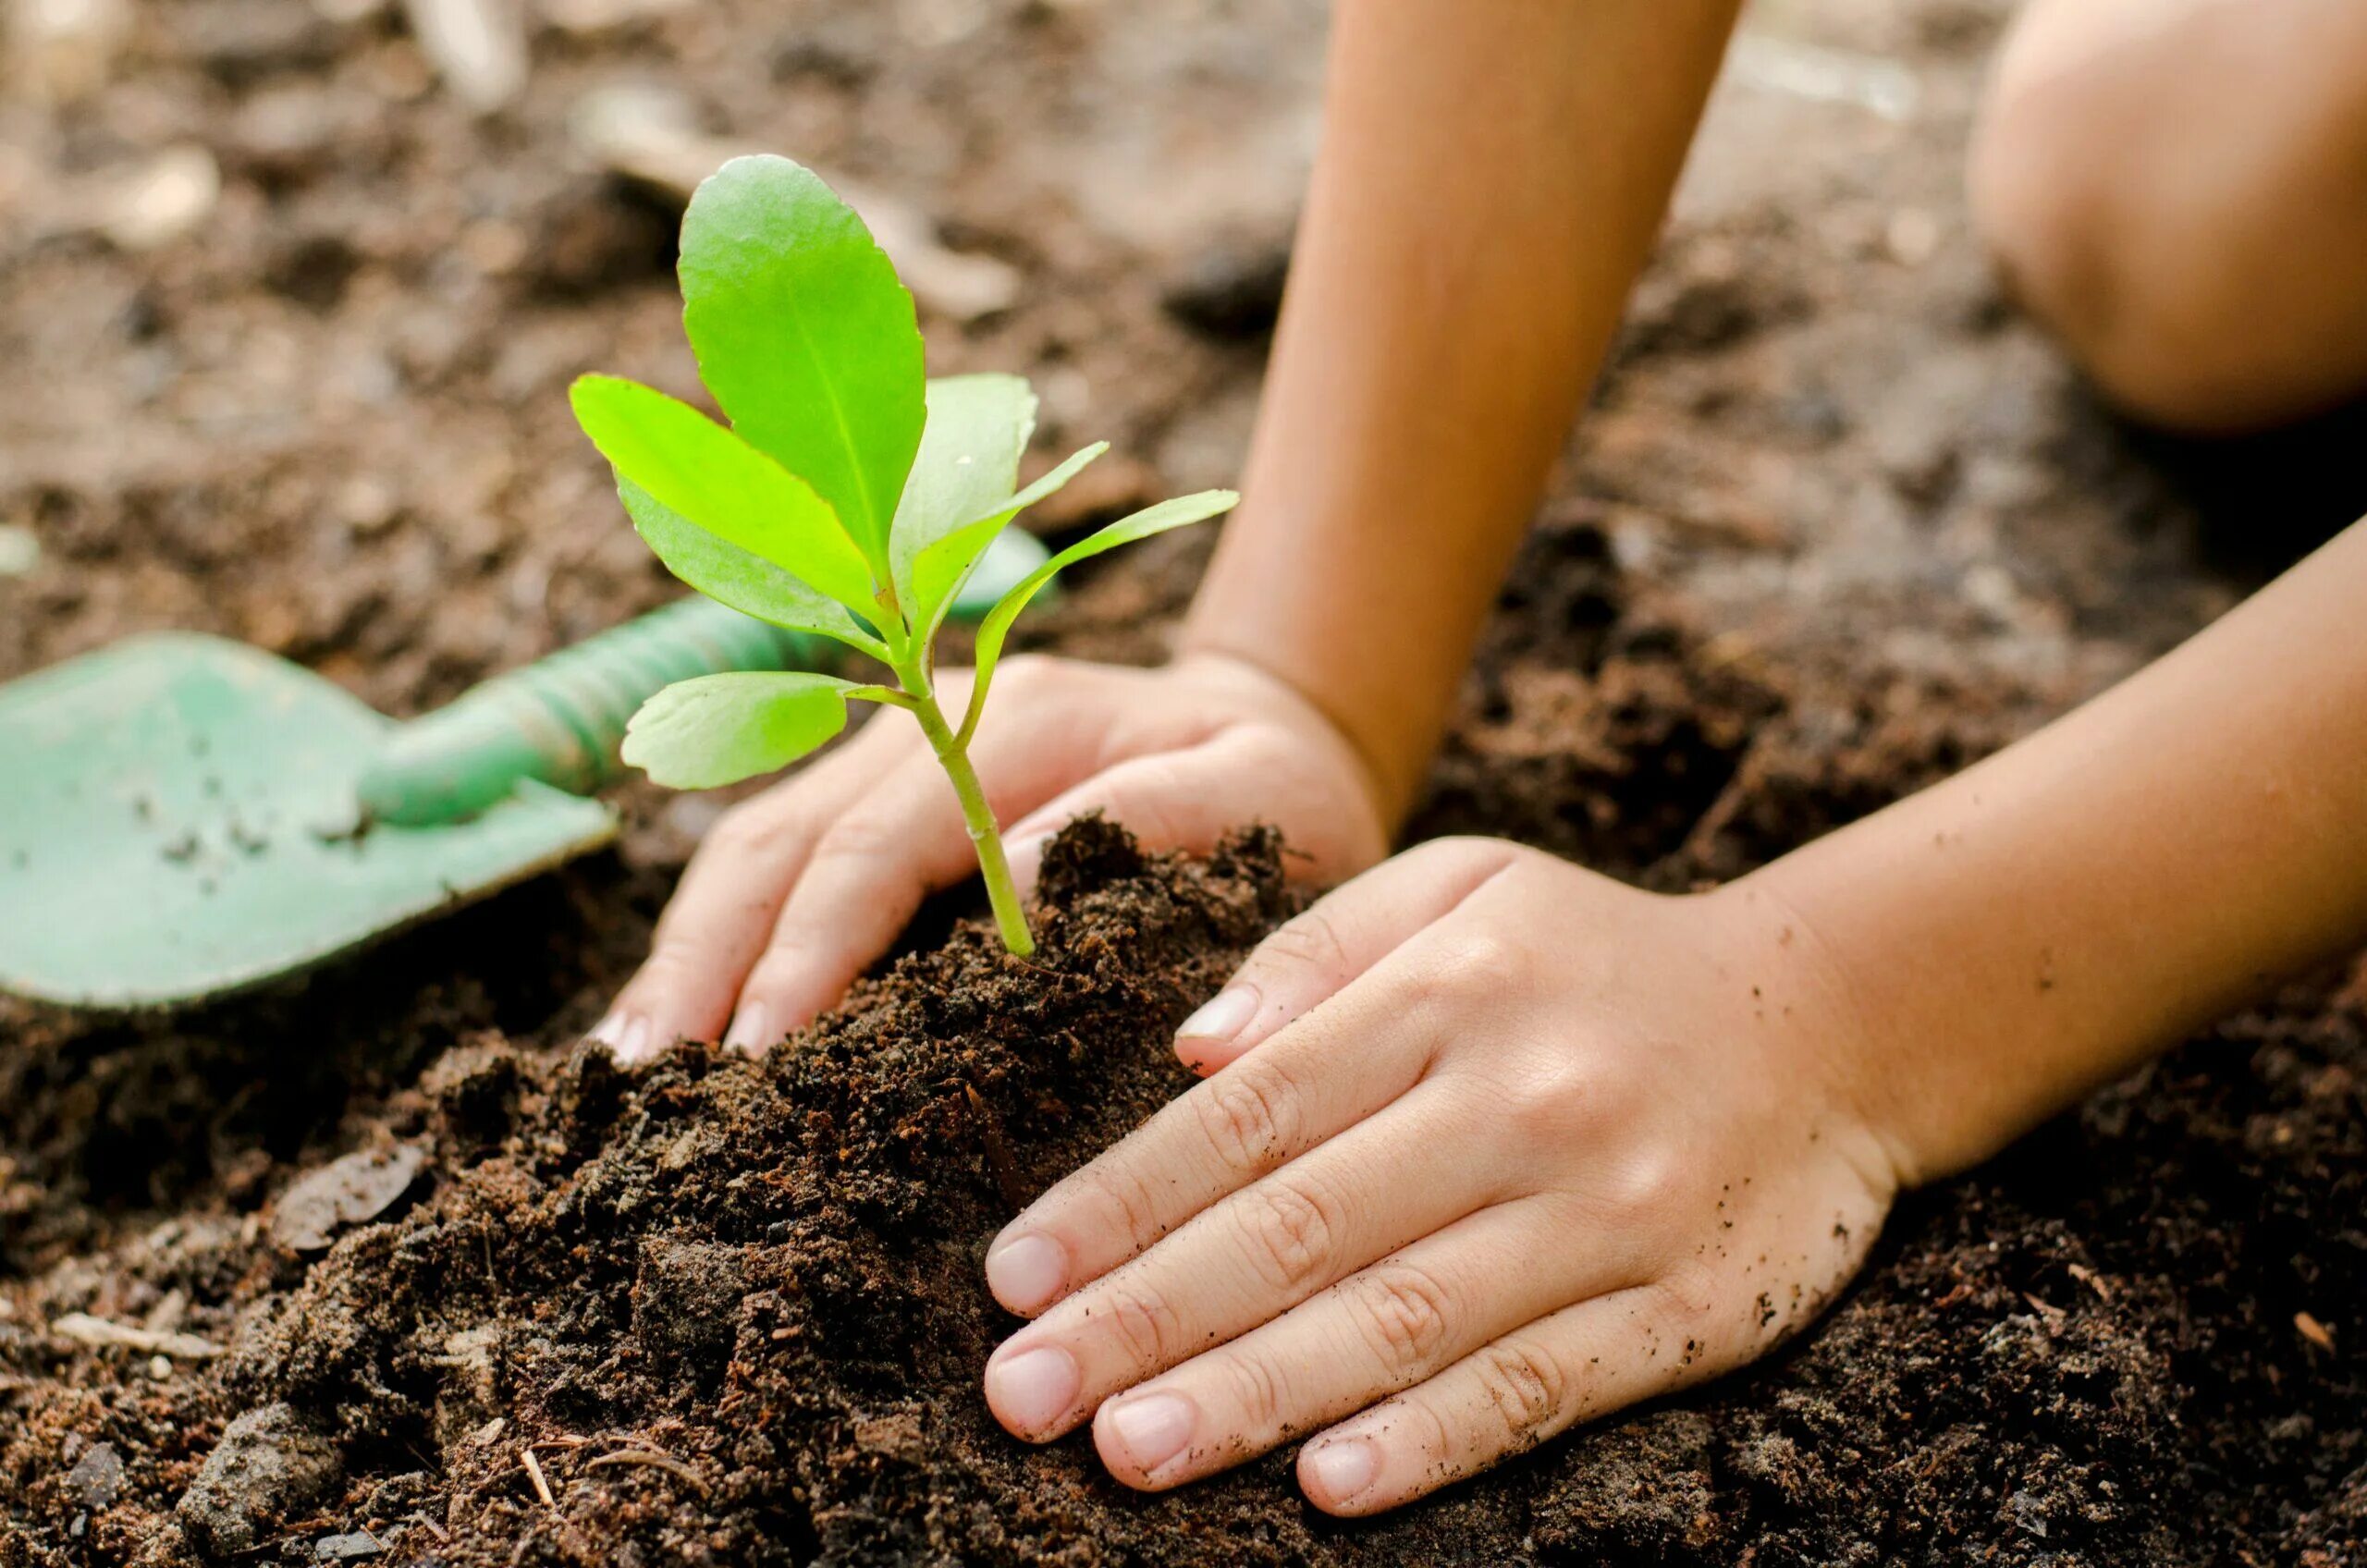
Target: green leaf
(940, 571)
(996, 628)
(730, 575)
(977, 427)
(692, 466)
(805, 337)
(721, 729)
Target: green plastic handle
(560, 721)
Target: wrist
(1846, 1047)
(1972, 1015)
(1390, 762)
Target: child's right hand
(1490, 1145)
(797, 889)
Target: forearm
(1492, 175)
(2043, 921)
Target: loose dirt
(348, 1257)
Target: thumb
(1182, 799)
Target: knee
(2080, 253)
(2049, 248)
(2163, 264)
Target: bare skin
(2175, 188)
(1488, 1144)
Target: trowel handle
(560, 719)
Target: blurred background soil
(285, 328)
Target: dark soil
(1838, 524)
(734, 1313)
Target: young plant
(850, 497)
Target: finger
(1329, 1071)
(1315, 953)
(1164, 800)
(1380, 1330)
(1186, 795)
(900, 839)
(717, 922)
(1248, 1258)
(1505, 1398)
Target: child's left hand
(1490, 1145)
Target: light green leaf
(692, 466)
(996, 628)
(730, 575)
(938, 572)
(805, 337)
(720, 729)
(977, 427)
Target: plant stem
(1011, 915)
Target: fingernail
(1033, 1389)
(1343, 1467)
(626, 1036)
(1027, 1271)
(633, 1046)
(747, 1032)
(1222, 1016)
(1153, 1428)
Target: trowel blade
(176, 823)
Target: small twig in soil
(98, 1333)
(674, 1467)
(542, 1487)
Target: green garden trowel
(183, 817)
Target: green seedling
(849, 496)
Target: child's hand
(1492, 1145)
(799, 887)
